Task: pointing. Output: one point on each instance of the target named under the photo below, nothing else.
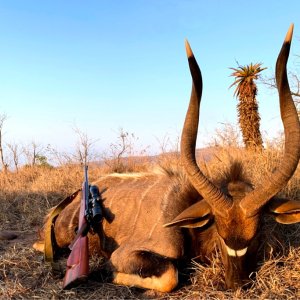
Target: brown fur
(136, 242)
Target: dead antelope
(154, 219)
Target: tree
(119, 149)
(122, 157)
(42, 160)
(227, 136)
(84, 151)
(32, 152)
(3, 118)
(294, 80)
(247, 107)
(15, 152)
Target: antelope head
(236, 210)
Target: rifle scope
(96, 206)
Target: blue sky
(105, 65)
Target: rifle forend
(78, 261)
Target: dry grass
(25, 198)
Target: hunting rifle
(90, 215)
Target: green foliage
(42, 160)
(245, 76)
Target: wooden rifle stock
(78, 260)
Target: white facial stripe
(239, 253)
(230, 251)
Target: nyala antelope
(155, 219)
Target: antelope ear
(196, 215)
(285, 211)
